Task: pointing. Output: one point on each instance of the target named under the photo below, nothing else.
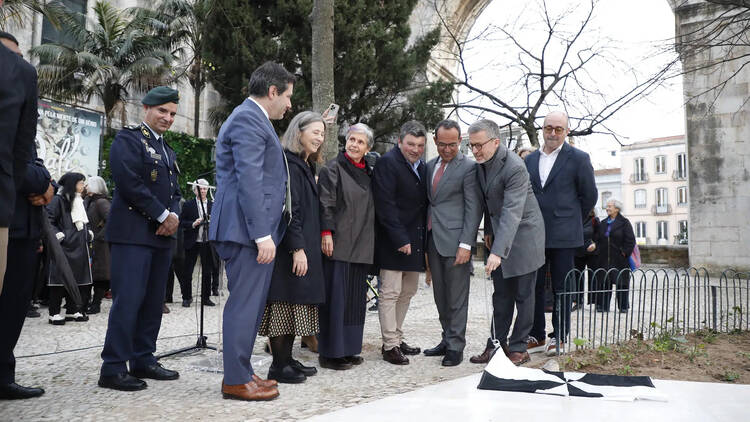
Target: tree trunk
(197, 89)
(322, 69)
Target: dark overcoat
(400, 212)
(347, 209)
(615, 249)
(303, 232)
(97, 209)
(74, 244)
(189, 214)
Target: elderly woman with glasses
(616, 243)
(348, 241)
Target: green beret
(161, 95)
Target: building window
(639, 174)
(605, 197)
(661, 164)
(50, 35)
(661, 197)
(640, 229)
(661, 230)
(682, 236)
(640, 198)
(682, 198)
(681, 172)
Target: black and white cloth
(501, 374)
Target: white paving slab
(460, 400)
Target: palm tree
(183, 23)
(114, 59)
(15, 11)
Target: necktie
(164, 150)
(435, 180)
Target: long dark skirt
(342, 316)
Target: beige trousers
(396, 290)
(3, 254)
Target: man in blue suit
(246, 220)
(143, 218)
(563, 181)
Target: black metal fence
(648, 303)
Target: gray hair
(362, 128)
(291, 138)
(202, 183)
(96, 185)
(413, 128)
(487, 126)
(616, 202)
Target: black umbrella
(56, 253)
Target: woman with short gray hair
(97, 205)
(616, 243)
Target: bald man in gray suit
(453, 219)
(517, 246)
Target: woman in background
(616, 243)
(97, 205)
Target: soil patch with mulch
(704, 356)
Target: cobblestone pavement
(65, 361)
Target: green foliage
(730, 376)
(625, 371)
(20, 12)
(604, 354)
(708, 335)
(194, 157)
(375, 71)
(580, 342)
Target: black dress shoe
(408, 350)
(207, 302)
(94, 309)
(186, 303)
(286, 374)
(338, 364)
(438, 350)
(354, 360)
(452, 358)
(215, 292)
(122, 382)
(307, 370)
(14, 391)
(395, 356)
(157, 372)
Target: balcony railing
(661, 209)
(637, 178)
(679, 175)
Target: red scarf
(360, 165)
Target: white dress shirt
(546, 161)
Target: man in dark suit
(246, 220)
(399, 189)
(515, 230)
(452, 223)
(194, 223)
(143, 218)
(563, 181)
(25, 222)
(18, 102)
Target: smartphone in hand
(329, 116)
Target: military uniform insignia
(154, 175)
(145, 131)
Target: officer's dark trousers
(139, 276)
(14, 301)
(207, 269)
(560, 262)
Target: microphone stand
(201, 341)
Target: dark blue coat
(144, 187)
(400, 212)
(187, 218)
(567, 197)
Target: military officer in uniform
(143, 217)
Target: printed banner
(68, 139)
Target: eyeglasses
(477, 147)
(451, 145)
(558, 130)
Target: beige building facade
(655, 193)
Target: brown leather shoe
(311, 342)
(519, 358)
(264, 383)
(489, 351)
(250, 392)
(395, 356)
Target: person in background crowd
(297, 285)
(452, 223)
(616, 242)
(399, 187)
(563, 181)
(347, 213)
(194, 224)
(67, 216)
(97, 205)
(175, 266)
(586, 257)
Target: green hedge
(194, 156)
